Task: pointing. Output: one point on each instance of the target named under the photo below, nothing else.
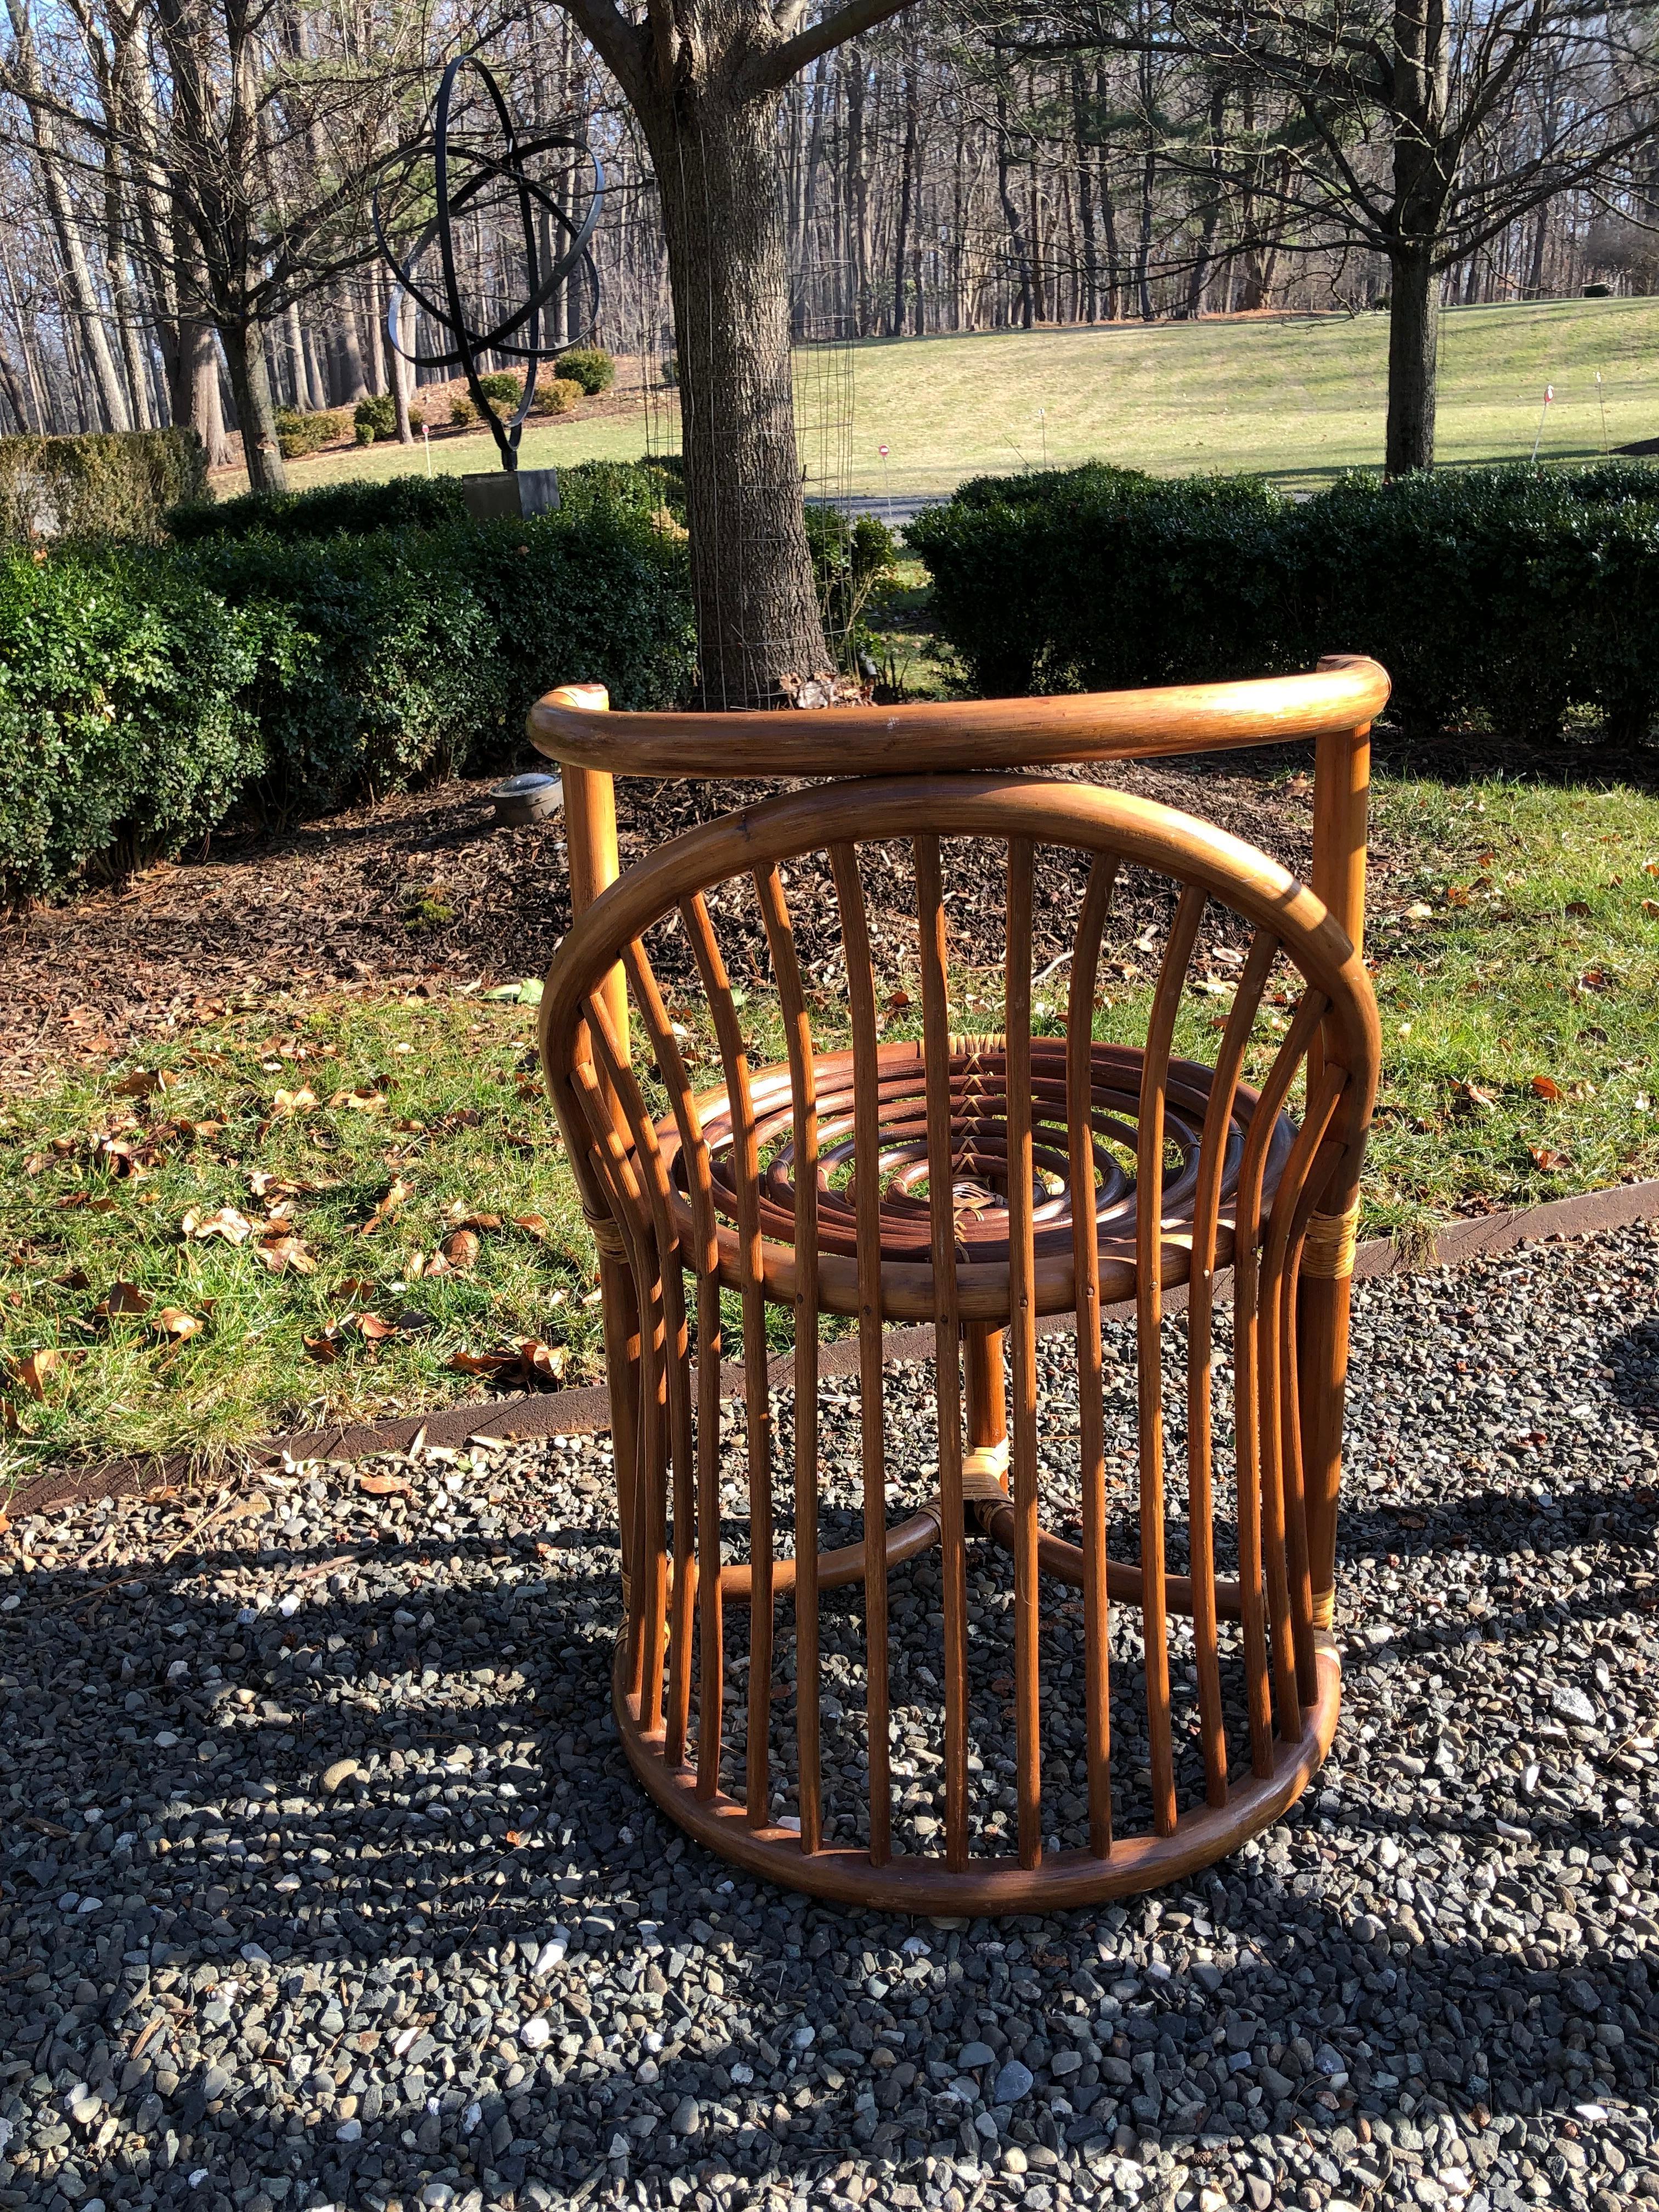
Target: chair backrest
(942, 1175)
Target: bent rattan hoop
(944, 1178)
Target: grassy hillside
(1294, 398)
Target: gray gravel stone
(479, 1972)
(1013, 2081)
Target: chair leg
(1322, 1369)
(620, 1312)
(988, 1403)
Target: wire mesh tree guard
(479, 174)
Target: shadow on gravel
(1634, 1359)
(1329, 2018)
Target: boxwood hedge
(146, 691)
(1514, 599)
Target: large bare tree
(1422, 129)
(706, 80)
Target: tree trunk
(1085, 195)
(907, 185)
(1108, 206)
(194, 397)
(13, 387)
(403, 370)
(244, 357)
(350, 383)
(1202, 259)
(751, 573)
(857, 194)
(1414, 330)
(1011, 213)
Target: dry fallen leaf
(235, 1228)
(1544, 1157)
(1473, 1095)
(459, 1217)
(388, 1206)
(1545, 1086)
(286, 1251)
(482, 1363)
(461, 1250)
(384, 1485)
(374, 1328)
(359, 1102)
(34, 1371)
(1578, 909)
(274, 1187)
(542, 1362)
(325, 1349)
(534, 1225)
(174, 1322)
(530, 1364)
(294, 1101)
(143, 1080)
(122, 1298)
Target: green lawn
(1515, 941)
(1295, 398)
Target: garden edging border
(581, 1411)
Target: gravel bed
(325, 1882)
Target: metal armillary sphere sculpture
(473, 177)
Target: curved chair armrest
(1344, 694)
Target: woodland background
(187, 183)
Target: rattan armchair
(988, 1185)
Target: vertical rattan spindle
(1341, 801)
(590, 832)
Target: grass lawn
(356, 1138)
(1295, 398)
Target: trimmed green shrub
(125, 723)
(502, 388)
(644, 488)
(562, 395)
(1506, 598)
(376, 416)
(462, 412)
(110, 483)
(849, 559)
(298, 433)
(144, 692)
(591, 366)
(406, 653)
(400, 503)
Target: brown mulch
(325, 906)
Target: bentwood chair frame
(688, 1197)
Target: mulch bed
(323, 906)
